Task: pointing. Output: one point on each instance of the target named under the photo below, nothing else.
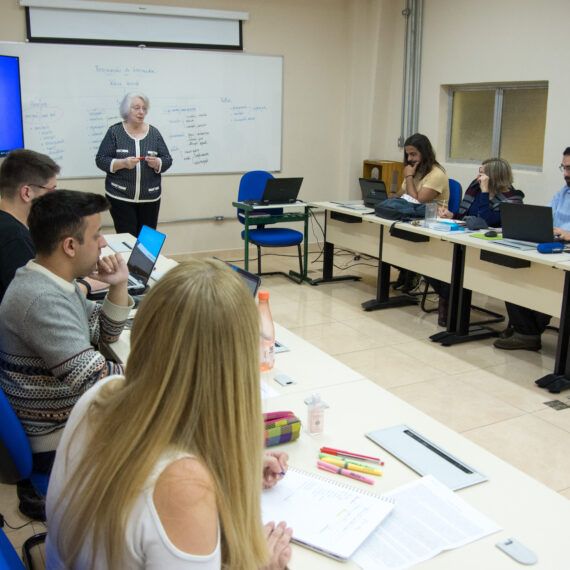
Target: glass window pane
(523, 125)
(472, 125)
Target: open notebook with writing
(327, 516)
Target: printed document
(427, 519)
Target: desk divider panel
(537, 287)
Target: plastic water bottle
(267, 333)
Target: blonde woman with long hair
(163, 468)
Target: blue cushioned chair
(9, 559)
(251, 187)
(455, 193)
(16, 443)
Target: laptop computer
(373, 191)
(252, 280)
(140, 264)
(278, 191)
(143, 259)
(526, 225)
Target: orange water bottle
(267, 333)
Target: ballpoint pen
(339, 462)
(333, 469)
(349, 454)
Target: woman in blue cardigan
(483, 198)
(134, 155)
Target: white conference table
(528, 278)
(526, 509)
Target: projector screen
(11, 130)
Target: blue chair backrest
(9, 559)
(14, 438)
(455, 192)
(251, 187)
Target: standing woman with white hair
(134, 155)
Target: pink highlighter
(353, 475)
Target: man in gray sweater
(48, 329)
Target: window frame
(499, 89)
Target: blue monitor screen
(11, 130)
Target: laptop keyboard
(252, 202)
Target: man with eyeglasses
(526, 325)
(24, 175)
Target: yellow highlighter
(350, 466)
(323, 456)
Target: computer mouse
(491, 233)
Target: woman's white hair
(125, 106)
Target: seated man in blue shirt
(525, 325)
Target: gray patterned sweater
(48, 333)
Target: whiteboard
(218, 112)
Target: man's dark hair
(60, 214)
(23, 166)
(428, 161)
(566, 151)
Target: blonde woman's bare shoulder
(185, 501)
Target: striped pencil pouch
(281, 427)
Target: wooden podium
(389, 171)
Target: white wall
(312, 36)
(498, 41)
(342, 92)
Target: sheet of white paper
(428, 518)
(327, 515)
(119, 246)
(267, 391)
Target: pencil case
(281, 427)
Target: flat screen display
(11, 128)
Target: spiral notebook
(326, 515)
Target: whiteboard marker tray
(425, 457)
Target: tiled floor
(486, 394)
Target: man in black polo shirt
(24, 175)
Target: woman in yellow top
(424, 178)
(424, 181)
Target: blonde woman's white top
(146, 542)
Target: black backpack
(400, 210)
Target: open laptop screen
(251, 280)
(527, 222)
(145, 253)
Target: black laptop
(252, 280)
(373, 191)
(527, 223)
(278, 191)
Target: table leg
(246, 240)
(560, 379)
(459, 327)
(383, 299)
(328, 263)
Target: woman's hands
(274, 467)
(278, 539)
